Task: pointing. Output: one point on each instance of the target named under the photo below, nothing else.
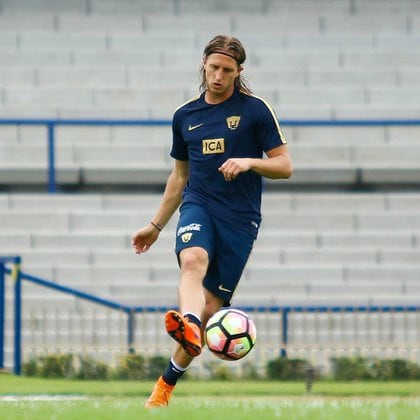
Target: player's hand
(233, 167)
(144, 238)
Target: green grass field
(32, 398)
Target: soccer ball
(230, 334)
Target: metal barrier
(17, 276)
(299, 331)
(51, 124)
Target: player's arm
(146, 236)
(277, 165)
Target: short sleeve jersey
(243, 126)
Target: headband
(224, 52)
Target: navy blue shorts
(227, 246)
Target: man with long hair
(219, 142)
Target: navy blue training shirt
(243, 126)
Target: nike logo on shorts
(223, 289)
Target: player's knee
(193, 259)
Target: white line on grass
(15, 398)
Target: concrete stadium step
(398, 203)
(379, 163)
(260, 255)
(96, 211)
(406, 58)
(187, 24)
(75, 95)
(28, 58)
(402, 272)
(272, 300)
(380, 274)
(321, 203)
(62, 41)
(14, 155)
(118, 157)
(158, 41)
(34, 258)
(14, 243)
(37, 21)
(27, 221)
(64, 222)
(321, 238)
(190, 8)
(147, 58)
(85, 276)
(354, 135)
(371, 156)
(96, 77)
(386, 22)
(94, 241)
(320, 290)
(343, 222)
(104, 136)
(329, 257)
(20, 77)
(384, 111)
(87, 203)
(61, 242)
(398, 257)
(273, 274)
(126, 222)
(79, 22)
(375, 239)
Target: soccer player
(224, 142)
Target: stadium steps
(131, 164)
(342, 38)
(65, 62)
(116, 55)
(342, 239)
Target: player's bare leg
(194, 264)
(184, 327)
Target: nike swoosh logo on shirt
(193, 127)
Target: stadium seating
(343, 230)
(325, 248)
(311, 60)
(312, 246)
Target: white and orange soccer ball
(230, 334)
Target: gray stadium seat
(338, 238)
(322, 240)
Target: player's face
(221, 72)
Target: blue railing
(17, 276)
(51, 124)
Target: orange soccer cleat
(160, 395)
(184, 332)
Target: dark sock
(172, 374)
(193, 318)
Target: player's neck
(215, 98)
